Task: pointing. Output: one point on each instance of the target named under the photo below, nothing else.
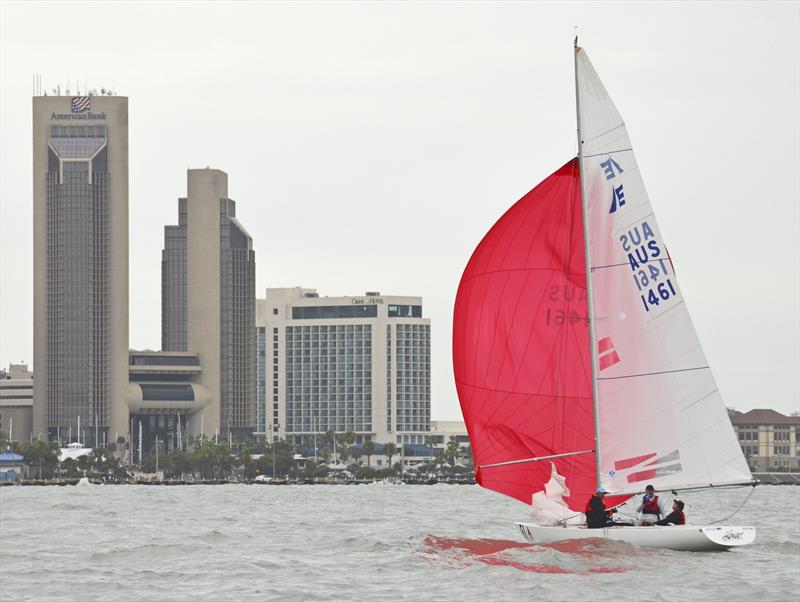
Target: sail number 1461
(657, 294)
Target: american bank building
(344, 364)
(80, 266)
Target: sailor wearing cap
(597, 516)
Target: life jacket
(683, 517)
(651, 506)
(588, 510)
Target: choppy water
(368, 542)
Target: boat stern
(730, 536)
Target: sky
(370, 146)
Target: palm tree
(368, 449)
(429, 443)
(389, 450)
(452, 450)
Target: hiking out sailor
(651, 508)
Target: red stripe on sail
(645, 475)
(521, 351)
(628, 463)
(608, 360)
(604, 345)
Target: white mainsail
(661, 416)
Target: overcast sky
(371, 146)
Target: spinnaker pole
(589, 298)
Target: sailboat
(574, 354)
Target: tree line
(207, 459)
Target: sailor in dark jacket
(597, 516)
(676, 517)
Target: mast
(589, 298)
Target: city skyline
(381, 164)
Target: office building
(208, 303)
(359, 364)
(163, 395)
(80, 265)
(16, 402)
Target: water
(367, 542)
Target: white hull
(692, 538)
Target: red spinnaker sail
(521, 344)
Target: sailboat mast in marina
(574, 354)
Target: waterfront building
(341, 364)
(442, 430)
(208, 303)
(16, 402)
(163, 396)
(770, 441)
(80, 265)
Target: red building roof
(764, 417)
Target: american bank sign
(80, 108)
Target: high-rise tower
(208, 302)
(80, 266)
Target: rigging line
(735, 512)
(617, 265)
(653, 373)
(525, 269)
(619, 150)
(575, 453)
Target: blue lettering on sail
(617, 198)
(611, 168)
(649, 266)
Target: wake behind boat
(572, 343)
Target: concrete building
(80, 264)
(16, 402)
(770, 441)
(208, 302)
(164, 396)
(359, 364)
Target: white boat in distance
(572, 344)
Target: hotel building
(359, 364)
(208, 303)
(80, 265)
(769, 440)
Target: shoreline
(277, 482)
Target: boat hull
(691, 538)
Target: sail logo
(607, 355)
(611, 168)
(617, 198)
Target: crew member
(676, 517)
(597, 516)
(652, 508)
